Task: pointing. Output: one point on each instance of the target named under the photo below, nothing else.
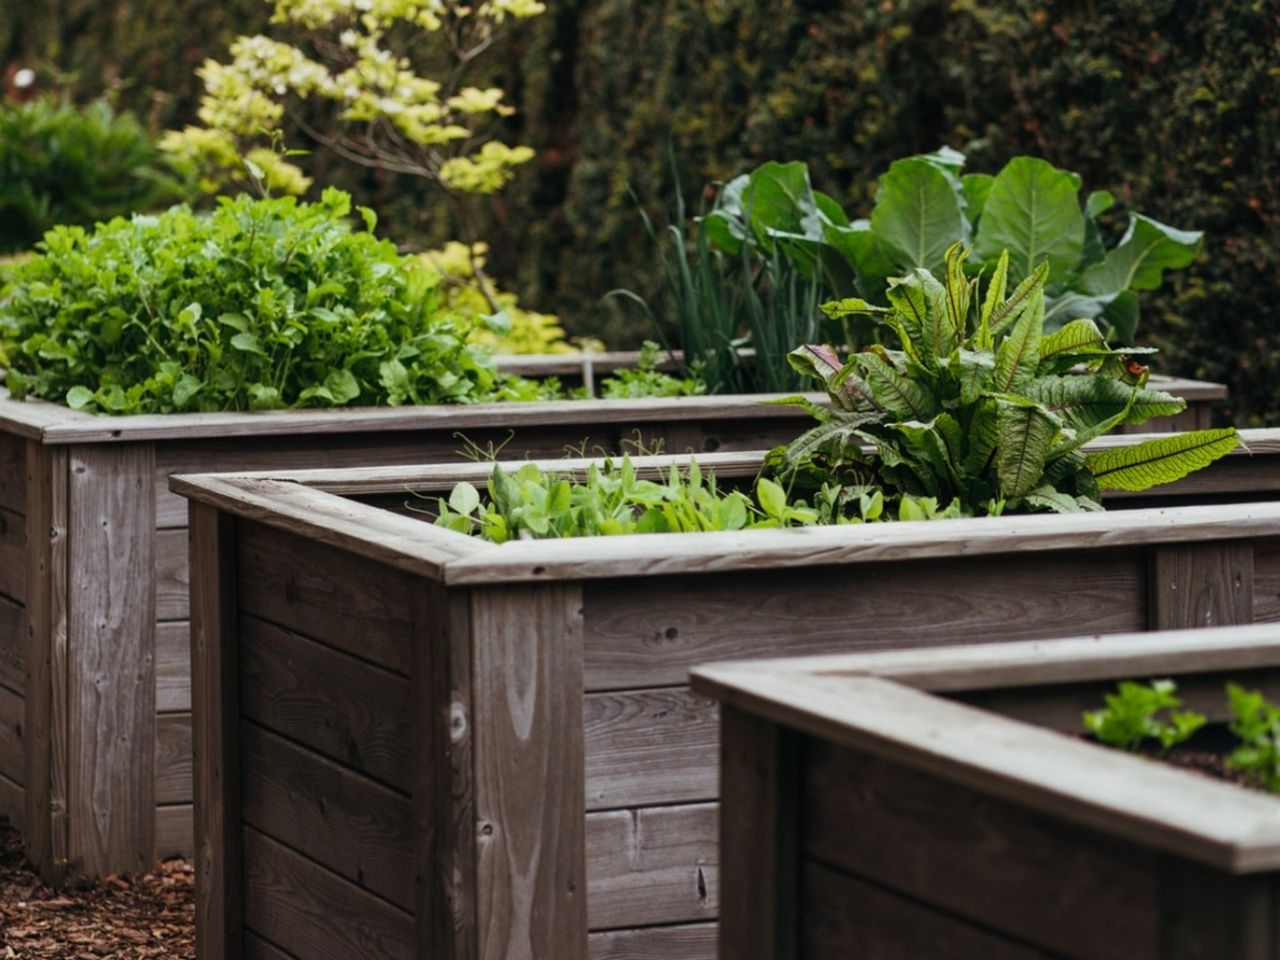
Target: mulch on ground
(147, 917)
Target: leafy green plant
(1031, 210)
(63, 164)
(646, 380)
(980, 406)
(1256, 721)
(743, 277)
(611, 499)
(1139, 712)
(260, 304)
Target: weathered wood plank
(255, 948)
(173, 666)
(215, 709)
(13, 556)
(13, 473)
(345, 822)
(173, 579)
(13, 803)
(1201, 585)
(691, 941)
(326, 594)
(313, 912)
(966, 852)
(13, 643)
(759, 838)
(12, 753)
(526, 718)
(655, 865)
(174, 758)
(111, 636)
(1266, 581)
(175, 832)
(650, 746)
(444, 824)
(652, 631)
(848, 917)
(46, 660)
(351, 711)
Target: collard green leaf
(1033, 212)
(859, 244)
(1024, 437)
(977, 187)
(1139, 260)
(917, 214)
(1164, 460)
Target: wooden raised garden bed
(95, 730)
(419, 744)
(901, 805)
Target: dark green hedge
(1172, 104)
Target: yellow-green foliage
(379, 111)
(531, 332)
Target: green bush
(261, 304)
(62, 164)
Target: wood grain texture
(312, 912)
(759, 839)
(173, 667)
(655, 865)
(111, 643)
(174, 761)
(45, 657)
(255, 948)
(649, 746)
(967, 853)
(652, 631)
(1266, 581)
(13, 473)
(1201, 585)
(347, 602)
(352, 712)
(13, 803)
(13, 556)
(349, 824)
(848, 917)
(12, 753)
(526, 716)
(215, 707)
(691, 941)
(13, 643)
(173, 580)
(175, 832)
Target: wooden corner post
(527, 758)
(759, 772)
(215, 736)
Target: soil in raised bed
(1205, 753)
(136, 917)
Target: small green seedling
(1256, 721)
(1137, 712)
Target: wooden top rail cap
(1130, 797)
(55, 424)
(330, 517)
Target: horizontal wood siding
(13, 803)
(173, 578)
(326, 594)
(173, 667)
(843, 916)
(173, 758)
(651, 631)
(352, 712)
(1266, 581)
(650, 746)
(12, 708)
(13, 630)
(174, 834)
(967, 853)
(312, 912)
(692, 941)
(656, 865)
(13, 555)
(13, 473)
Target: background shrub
(64, 164)
(1172, 104)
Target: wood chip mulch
(148, 917)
